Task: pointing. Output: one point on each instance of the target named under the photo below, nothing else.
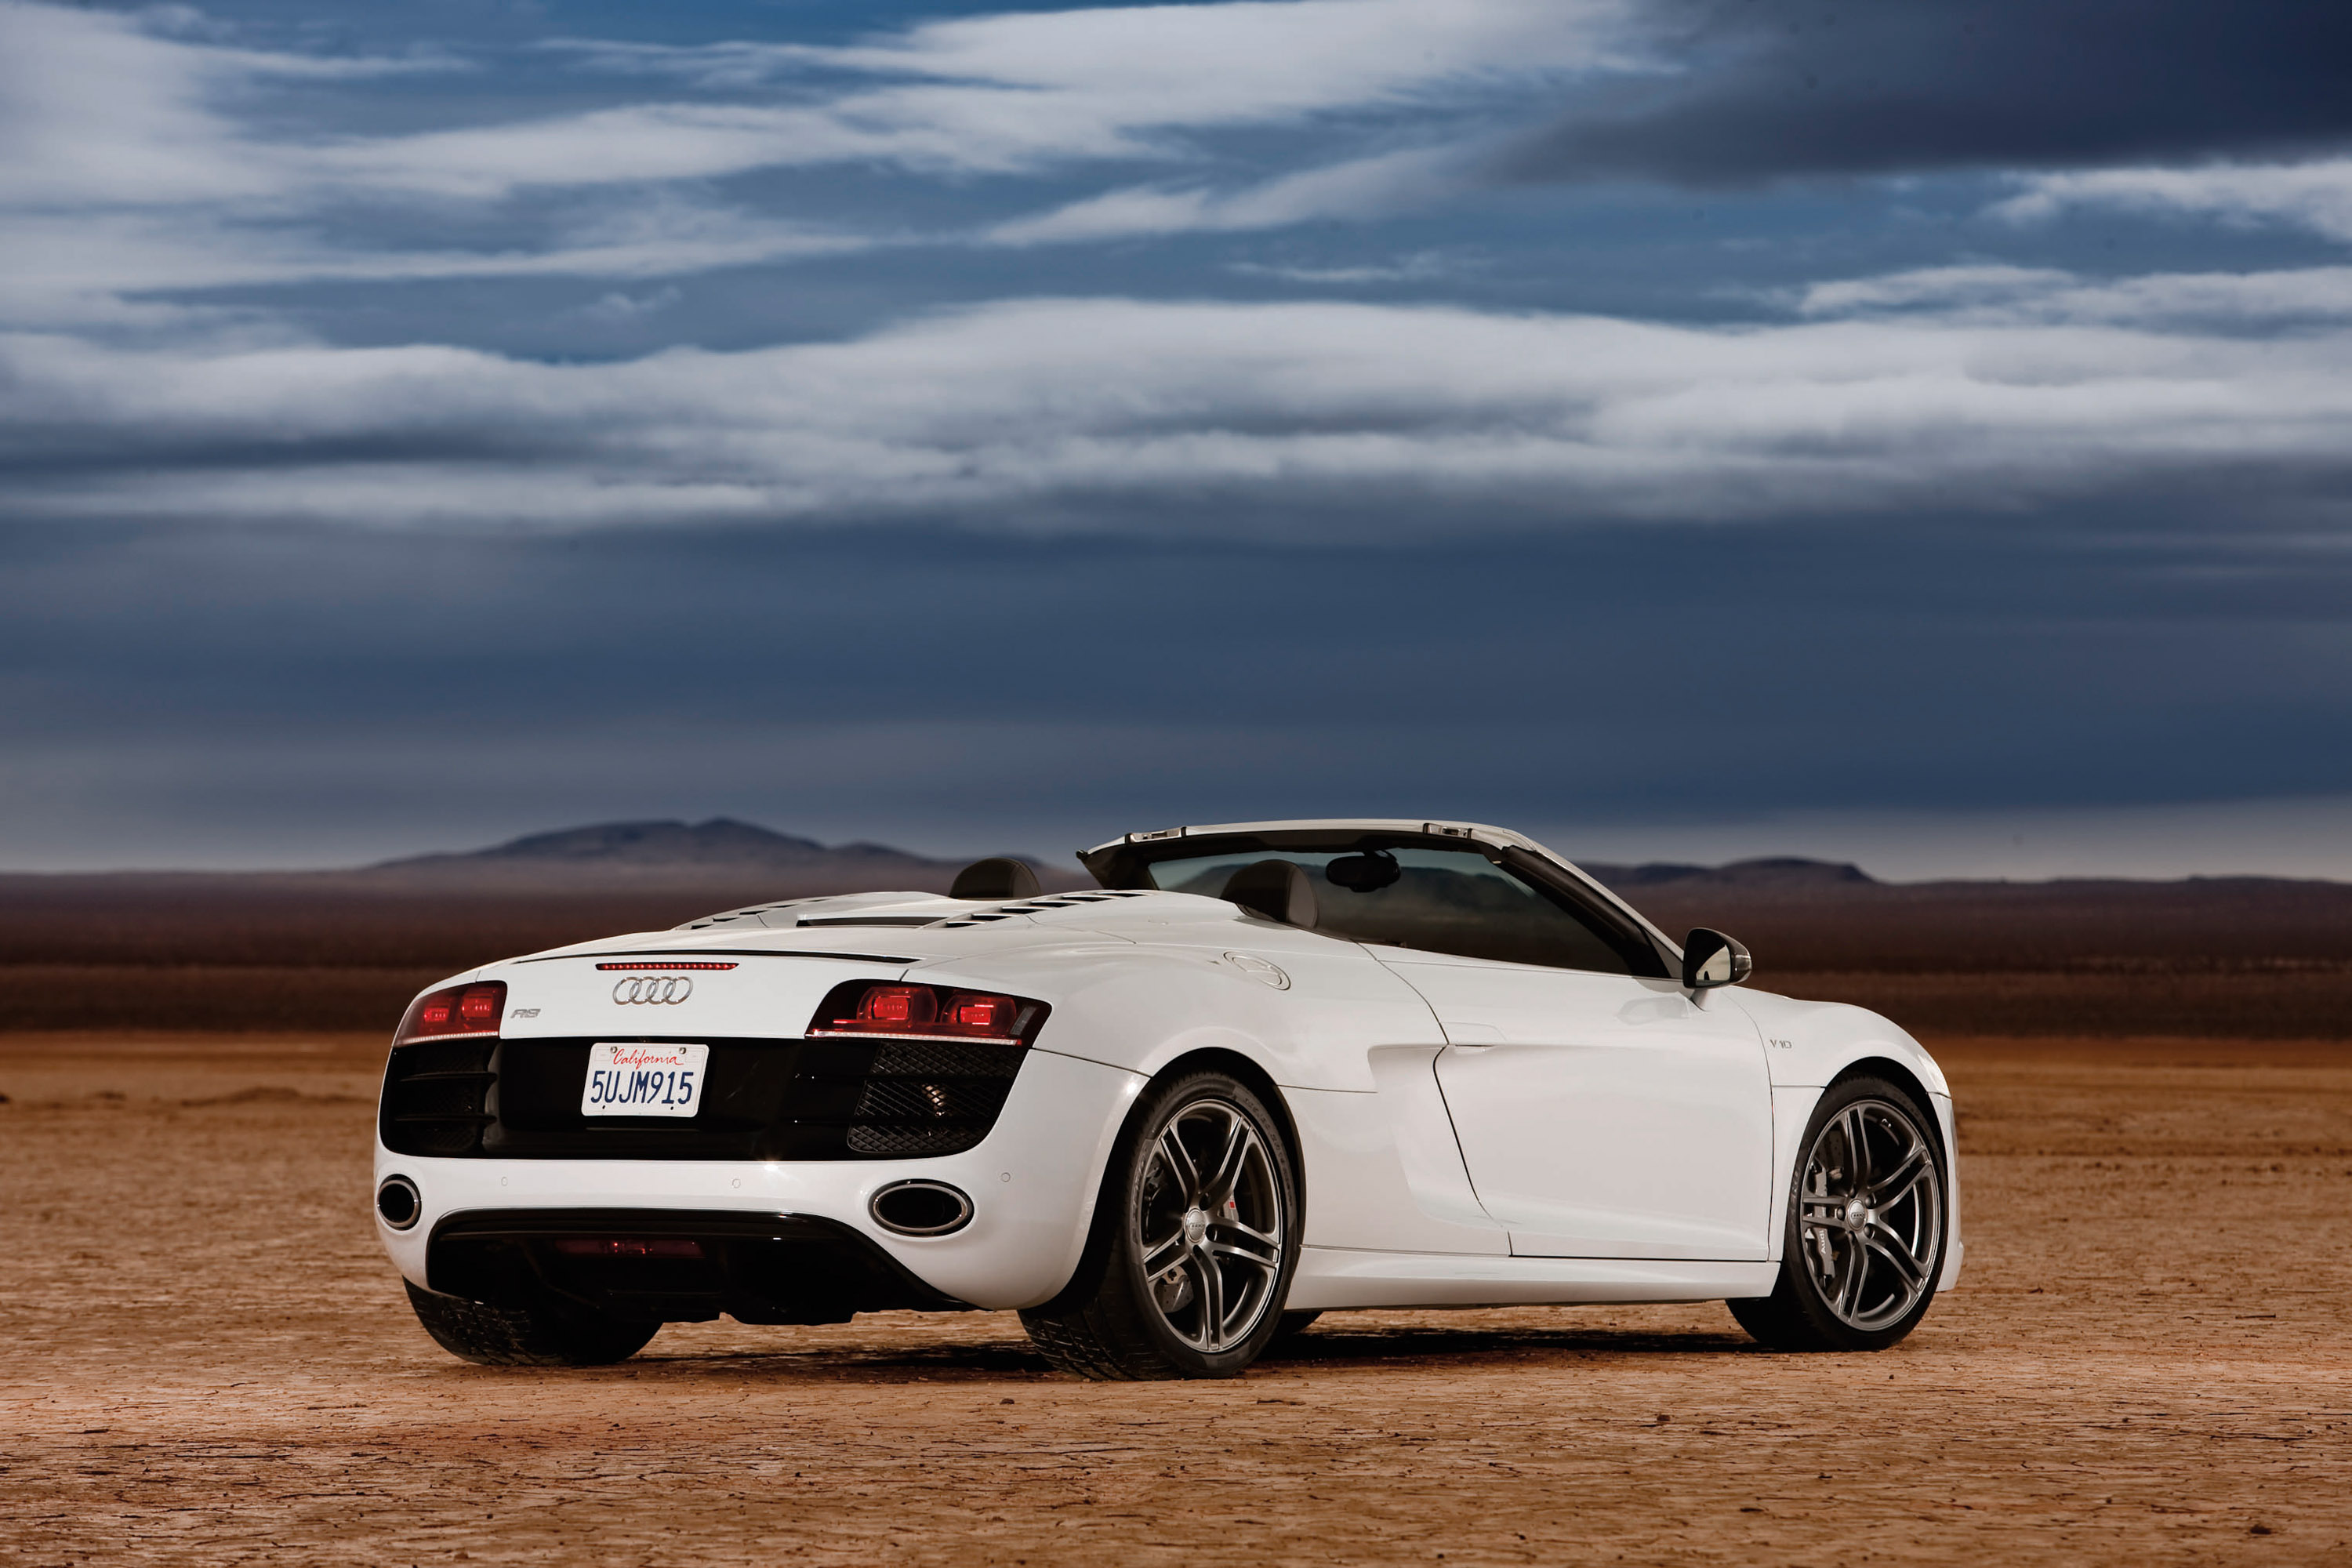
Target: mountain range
(721, 851)
(726, 849)
(345, 948)
(724, 846)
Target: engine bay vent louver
(910, 921)
(1035, 906)
(731, 917)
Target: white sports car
(1266, 1070)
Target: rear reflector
(627, 1247)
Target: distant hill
(1783, 872)
(2213, 956)
(1811, 915)
(636, 854)
(338, 949)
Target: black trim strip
(723, 953)
(903, 921)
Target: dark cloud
(292, 695)
(1771, 90)
(359, 510)
(1297, 419)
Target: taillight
(927, 1013)
(897, 1006)
(973, 1012)
(455, 1010)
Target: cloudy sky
(1916, 431)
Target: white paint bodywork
(1602, 1115)
(1627, 1139)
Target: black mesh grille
(435, 1097)
(895, 1100)
(446, 1099)
(917, 1058)
(831, 1098)
(933, 1098)
(905, 1142)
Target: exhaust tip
(398, 1203)
(920, 1208)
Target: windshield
(1435, 900)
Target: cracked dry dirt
(2149, 1361)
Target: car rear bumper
(1032, 1183)
(670, 1265)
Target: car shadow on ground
(1330, 1347)
(1329, 1344)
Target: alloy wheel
(1209, 1219)
(1871, 1215)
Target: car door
(1603, 1115)
(1600, 1111)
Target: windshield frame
(1127, 865)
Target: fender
(1308, 1010)
(1345, 1044)
(1808, 1046)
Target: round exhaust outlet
(920, 1208)
(399, 1202)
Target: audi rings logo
(653, 990)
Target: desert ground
(2149, 1360)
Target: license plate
(643, 1080)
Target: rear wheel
(1195, 1238)
(547, 1335)
(1864, 1241)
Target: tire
(1194, 1241)
(1864, 1240)
(546, 1335)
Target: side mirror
(1711, 958)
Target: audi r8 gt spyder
(1264, 1071)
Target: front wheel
(1194, 1241)
(1864, 1242)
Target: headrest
(1274, 891)
(998, 876)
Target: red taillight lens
(455, 1010)
(899, 1004)
(862, 1008)
(981, 1012)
